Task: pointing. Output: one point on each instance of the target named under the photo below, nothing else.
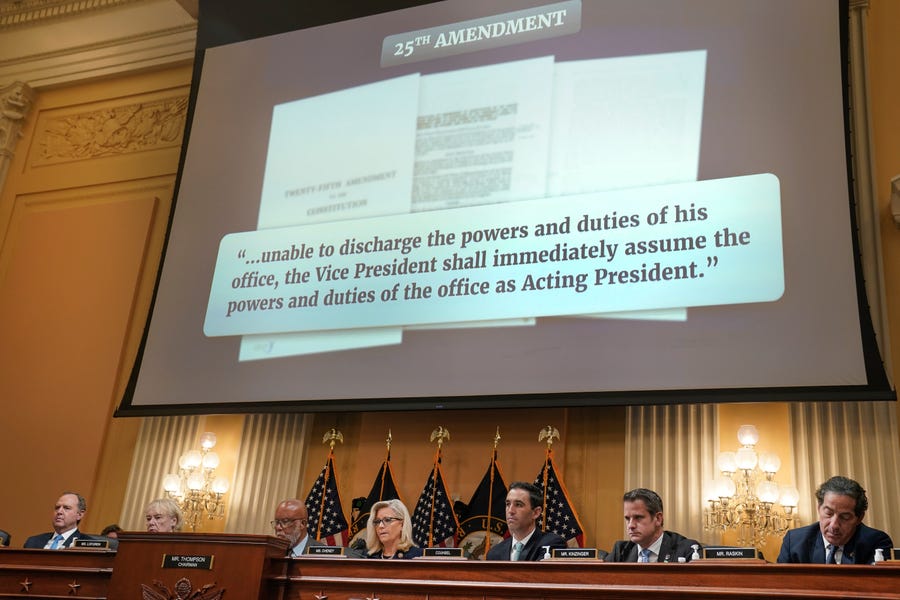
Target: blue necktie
(57, 540)
(645, 556)
(517, 550)
(830, 556)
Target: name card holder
(575, 553)
(188, 561)
(896, 553)
(90, 544)
(730, 553)
(443, 553)
(328, 551)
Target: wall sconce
(196, 488)
(746, 496)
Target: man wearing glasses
(291, 524)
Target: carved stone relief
(112, 131)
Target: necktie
(57, 540)
(645, 556)
(517, 550)
(829, 557)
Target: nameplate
(187, 561)
(896, 553)
(90, 544)
(443, 552)
(325, 550)
(720, 552)
(579, 553)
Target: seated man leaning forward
(840, 536)
(648, 541)
(291, 522)
(67, 514)
(524, 503)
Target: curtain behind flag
(559, 514)
(323, 503)
(485, 522)
(434, 522)
(384, 488)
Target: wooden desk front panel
(352, 579)
(55, 573)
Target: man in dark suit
(524, 504)
(291, 524)
(67, 514)
(648, 541)
(840, 536)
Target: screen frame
(227, 21)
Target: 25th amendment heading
(506, 29)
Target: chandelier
(196, 488)
(746, 496)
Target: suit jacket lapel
(531, 549)
(68, 543)
(666, 549)
(631, 554)
(817, 551)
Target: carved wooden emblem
(183, 590)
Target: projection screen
(515, 203)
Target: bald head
(290, 520)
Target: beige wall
(80, 232)
(884, 57)
(82, 218)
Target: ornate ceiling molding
(15, 13)
(54, 42)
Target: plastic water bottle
(879, 555)
(696, 554)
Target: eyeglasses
(158, 517)
(386, 521)
(283, 523)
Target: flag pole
(331, 438)
(487, 534)
(384, 467)
(440, 434)
(547, 433)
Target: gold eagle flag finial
(440, 434)
(497, 438)
(548, 433)
(390, 438)
(332, 437)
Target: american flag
(558, 514)
(323, 503)
(434, 522)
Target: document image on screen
(483, 135)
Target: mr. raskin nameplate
(188, 561)
(325, 550)
(443, 552)
(587, 553)
(723, 552)
(90, 544)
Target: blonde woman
(163, 516)
(389, 532)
